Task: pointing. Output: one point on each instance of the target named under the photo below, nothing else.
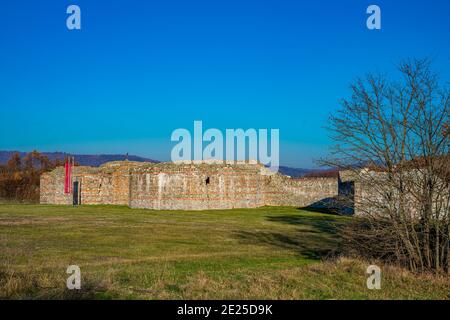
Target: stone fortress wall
(186, 186)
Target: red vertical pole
(66, 177)
(70, 174)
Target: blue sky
(137, 70)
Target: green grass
(264, 253)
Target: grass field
(265, 253)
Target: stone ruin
(185, 186)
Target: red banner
(68, 176)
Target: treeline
(19, 178)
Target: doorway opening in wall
(76, 193)
(207, 180)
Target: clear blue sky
(140, 69)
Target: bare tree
(393, 138)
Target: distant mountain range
(93, 160)
(96, 160)
(294, 172)
(309, 173)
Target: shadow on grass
(319, 224)
(320, 210)
(310, 247)
(331, 205)
(314, 237)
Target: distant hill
(294, 172)
(308, 173)
(93, 160)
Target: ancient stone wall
(108, 184)
(184, 186)
(302, 192)
(52, 188)
(196, 187)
